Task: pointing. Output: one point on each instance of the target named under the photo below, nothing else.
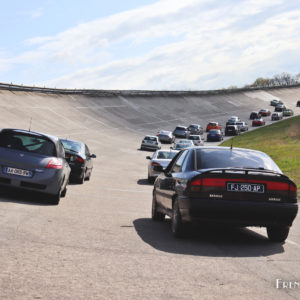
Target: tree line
(283, 79)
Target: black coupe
(236, 186)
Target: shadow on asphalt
(143, 182)
(23, 197)
(206, 241)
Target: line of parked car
(42, 163)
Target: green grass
(280, 140)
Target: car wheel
(151, 179)
(156, 215)
(278, 233)
(54, 199)
(64, 192)
(80, 180)
(89, 177)
(176, 222)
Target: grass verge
(280, 140)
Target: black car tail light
(292, 191)
(155, 164)
(79, 159)
(196, 184)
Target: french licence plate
(19, 172)
(245, 187)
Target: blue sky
(147, 44)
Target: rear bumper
(239, 213)
(77, 171)
(148, 146)
(44, 183)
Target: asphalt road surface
(99, 242)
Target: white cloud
(172, 44)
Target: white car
(243, 126)
(150, 142)
(165, 136)
(182, 144)
(196, 139)
(159, 158)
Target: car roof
(227, 148)
(50, 137)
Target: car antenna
(30, 124)
(231, 144)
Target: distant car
(275, 102)
(166, 136)
(276, 116)
(223, 185)
(150, 142)
(237, 119)
(298, 103)
(265, 112)
(159, 158)
(280, 107)
(33, 161)
(182, 144)
(232, 130)
(243, 126)
(195, 129)
(181, 132)
(258, 122)
(231, 122)
(254, 115)
(80, 160)
(287, 112)
(213, 125)
(214, 135)
(197, 140)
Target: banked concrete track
(99, 242)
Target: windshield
(183, 145)
(226, 158)
(71, 145)
(165, 155)
(150, 138)
(194, 137)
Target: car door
(170, 181)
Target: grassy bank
(280, 140)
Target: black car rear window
(28, 143)
(226, 158)
(72, 146)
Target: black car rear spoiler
(245, 170)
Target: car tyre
(151, 179)
(177, 226)
(64, 192)
(278, 233)
(54, 199)
(155, 214)
(89, 177)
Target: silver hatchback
(159, 158)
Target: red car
(258, 122)
(265, 112)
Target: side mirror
(148, 157)
(158, 168)
(92, 156)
